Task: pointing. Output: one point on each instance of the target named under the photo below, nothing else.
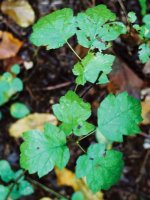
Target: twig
(90, 86)
(125, 13)
(142, 171)
(86, 90)
(145, 135)
(46, 188)
(53, 87)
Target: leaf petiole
(73, 51)
(82, 138)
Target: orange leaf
(9, 45)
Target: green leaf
(19, 174)
(91, 66)
(3, 192)
(40, 152)
(132, 17)
(119, 115)
(19, 110)
(73, 112)
(9, 85)
(146, 19)
(144, 53)
(102, 169)
(95, 24)
(77, 196)
(54, 30)
(6, 172)
(144, 30)
(15, 69)
(24, 188)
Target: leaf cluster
(9, 85)
(117, 115)
(144, 34)
(8, 176)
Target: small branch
(46, 188)
(86, 90)
(73, 51)
(80, 146)
(145, 135)
(82, 138)
(125, 13)
(50, 88)
(143, 170)
(13, 185)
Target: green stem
(82, 138)
(13, 185)
(73, 51)
(76, 87)
(80, 147)
(46, 188)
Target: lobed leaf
(40, 152)
(144, 52)
(73, 112)
(101, 169)
(91, 66)
(53, 30)
(119, 115)
(97, 26)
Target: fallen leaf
(122, 78)
(68, 178)
(8, 63)
(9, 45)
(20, 11)
(32, 121)
(146, 111)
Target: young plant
(17, 186)
(144, 35)
(9, 85)
(117, 115)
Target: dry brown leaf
(20, 11)
(32, 121)
(9, 45)
(68, 178)
(146, 111)
(122, 78)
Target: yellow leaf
(32, 121)
(146, 111)
(45, 198)
(20, 11)
(68, 178)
